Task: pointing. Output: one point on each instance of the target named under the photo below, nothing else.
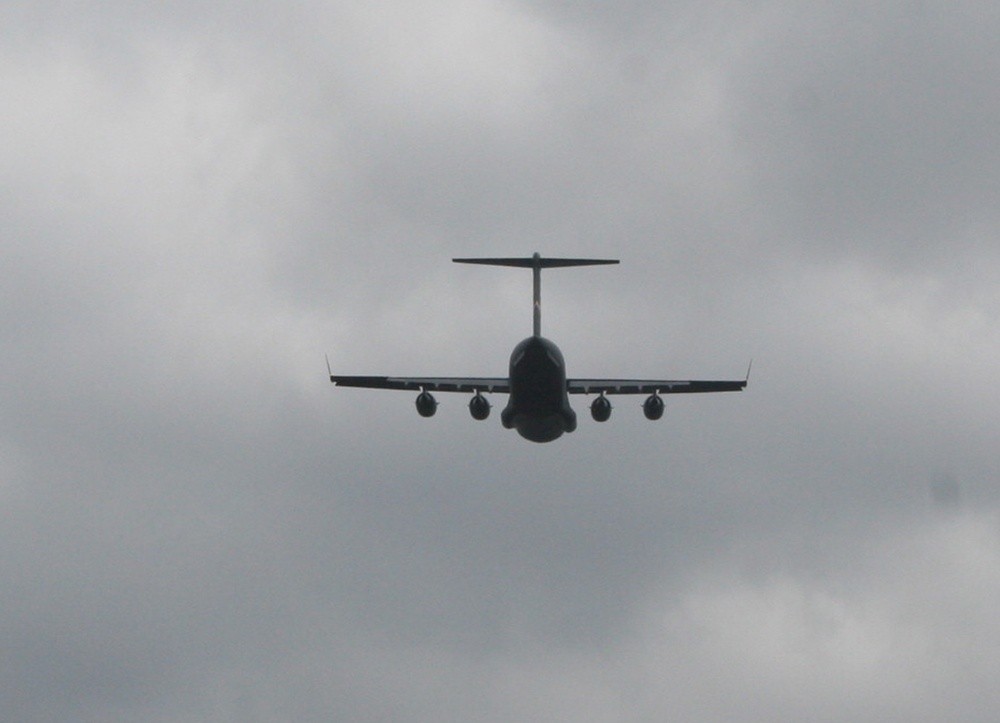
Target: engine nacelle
(600, 409)
(479, 408)
(426, 404)
(653, 407)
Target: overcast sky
(200, 200)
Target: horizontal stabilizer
(536, 261)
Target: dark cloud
(872, 126)
(200, 202)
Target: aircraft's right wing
(650, 386)
(427, 384)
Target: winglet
(328, 369)
(749, 367)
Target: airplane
(538, 403)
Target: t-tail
(536, 263)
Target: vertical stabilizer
(536, 291)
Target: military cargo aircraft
(538, 403)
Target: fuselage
(538, 407)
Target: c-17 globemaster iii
(538, 403)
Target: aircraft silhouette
(538, 406)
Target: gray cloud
(199, 202)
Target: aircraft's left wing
(427, 384)
(650, 386)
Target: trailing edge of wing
(429, 384)
(650, 386)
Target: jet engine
(600, 409)
(426, 404)
(653, 407)
(479, 408)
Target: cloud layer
(199, 202)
